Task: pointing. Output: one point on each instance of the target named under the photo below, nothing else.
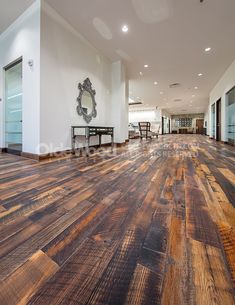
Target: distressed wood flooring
(152, 223)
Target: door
(199, 126)
(13, 107)
(218, 120)
(213, 120)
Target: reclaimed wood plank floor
(152, 223)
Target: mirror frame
(86, 86)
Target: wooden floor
(152, 224)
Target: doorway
(218, 120)
(13, 107)
(199, 126)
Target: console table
(90, 131)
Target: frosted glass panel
(213, 120)
(231, 116)
(13, 107)
(165, 126)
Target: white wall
(67, 59)
(142, 116)
(62, 58)
(22, 39)
(152, 116)
(226, 82)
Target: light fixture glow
(146, 66)
(161, 92)
(141, 73)
(196, 88)
(200, 74)
(125, 28)
(155, 83)
(193, 95)
(207, 49)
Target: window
(230, 116)
(183, 122)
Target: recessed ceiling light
(125, 28)
(207, 49)
(196, 88)
(141, 73)
(161, 92)
(146, 66)
(155, 83)
(200, 74)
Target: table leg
(73, 145)
(87, 145)
(100, 139)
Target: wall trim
(31, 9)
(60, 153)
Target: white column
(120, 93)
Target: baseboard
(61, 153)
(30, 156)
(120, 144)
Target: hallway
(152, 223)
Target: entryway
(218, 120)
(13, 107)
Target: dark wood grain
(153, 223)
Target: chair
(145, 131)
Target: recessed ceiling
(11, 10)
(170, 36)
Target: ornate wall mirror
(86, 101)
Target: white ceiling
(168, 35)
(10, 10)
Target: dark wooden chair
(145, 130)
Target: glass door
(230, 117)
(13, 107)
(213, 120)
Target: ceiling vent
(174, 85)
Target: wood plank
(25, 281)
(213, 286)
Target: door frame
(218, 118)
(5, 68)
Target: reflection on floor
(151, 224)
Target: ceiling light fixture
(146, 66)
(196, 88)
(155, 83)
(125, 29)
(207, 49)
(200, 74)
